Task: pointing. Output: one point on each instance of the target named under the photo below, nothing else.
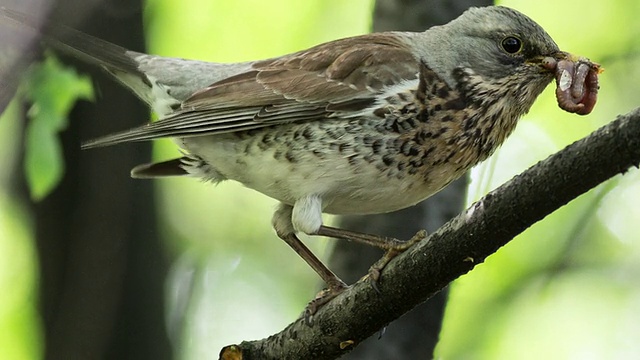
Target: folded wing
(340, 78)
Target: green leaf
(52, 89)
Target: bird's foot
(375, 271)
(321, 299)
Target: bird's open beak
(550, 62)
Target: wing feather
(344, 76)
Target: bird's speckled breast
(354, 168)
(410, 146)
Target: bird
(362, 125)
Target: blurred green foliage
(52, 89)
(566, 288)
(20, 332)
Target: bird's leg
(332, 280)
(306, 216)
(382, 242)
(334, 284)
(282, 223)
(393, 247)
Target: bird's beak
(563, 55)
(550, 62)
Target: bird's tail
(115, 59)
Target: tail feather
(174, 167)
(162, 82)
(80, 45)
(115, 59)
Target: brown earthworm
(590, 98)
(577, 85)
(577, 91)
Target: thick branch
(457, 247)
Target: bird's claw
(375, 271)
(321, 299)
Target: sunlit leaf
(52, 89)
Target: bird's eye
(512, 45)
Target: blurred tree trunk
(19, 48)
(413, 336)
(102, 265)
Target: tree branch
(456, 247)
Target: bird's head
(505, 48)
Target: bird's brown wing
(334, 79)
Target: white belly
(344, 181)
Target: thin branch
(455, 248)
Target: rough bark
(457, 247)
